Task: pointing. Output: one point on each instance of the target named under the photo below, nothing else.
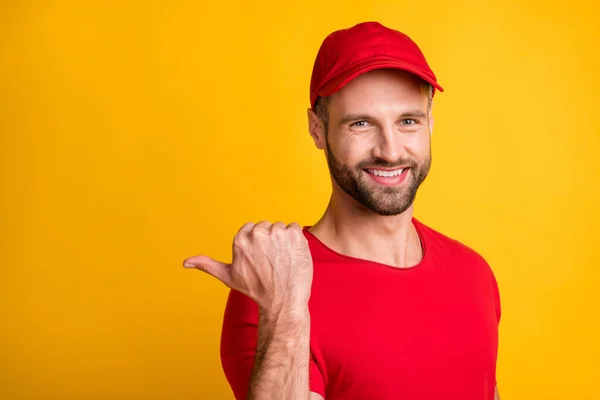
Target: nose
(389, 145)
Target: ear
(316, 129)
(430, 119)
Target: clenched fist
(271, 264)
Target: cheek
(358, 153)
(352, 150)
(419, 146)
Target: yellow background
(135, 134)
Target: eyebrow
(355, 117)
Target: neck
(349, 228)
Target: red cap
(347, 53)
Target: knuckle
(246, 227)
(294, 227)
(278, 227)
(261, 228)
(239, 240)
(296, 233)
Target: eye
(360, 123)
(409, 121)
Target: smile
(391, 177)
(380, 172)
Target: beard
(382, 200)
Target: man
(368, 303)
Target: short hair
(321, 107)
(322, 110)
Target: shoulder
(460, 261)
(439, 244)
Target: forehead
(384, 87)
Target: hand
(271, 264)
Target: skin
(394, 131)
(272, 265)
(381, 120)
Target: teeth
(378, 172)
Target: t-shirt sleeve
(491, 284)
(497, 308)
(496, 299)
(238, 346)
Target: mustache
(378, 162)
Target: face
(378, 140)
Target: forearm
(282, 355)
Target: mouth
(388, 177)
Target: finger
(277, 226)
(212, 267)
(247, 227)
(263, 225)
(294, 225)
(240, 238)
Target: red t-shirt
(428, 332)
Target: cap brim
(341, 80)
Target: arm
(272, 266)
(282, 355)
(239, 342)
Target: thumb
(212, 267)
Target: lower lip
(389, 180)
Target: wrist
(295, 312)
